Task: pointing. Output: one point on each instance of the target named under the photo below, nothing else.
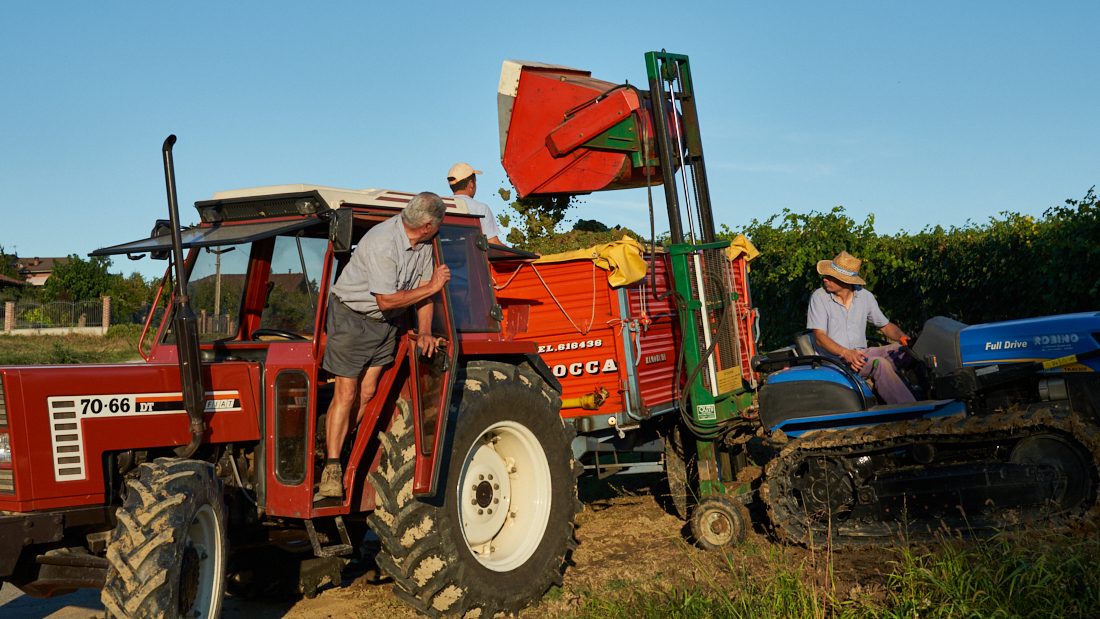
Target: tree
(128, 295)
(79, 280)
(6, 265)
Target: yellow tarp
(742, 245)
(622, 260)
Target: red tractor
(141, 479)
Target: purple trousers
(882, 368)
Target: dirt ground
(627, 539)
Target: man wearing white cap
(838, 315)
(463, 181)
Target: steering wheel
(279, 333)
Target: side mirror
(163, 228)
(339, 230)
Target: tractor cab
(259, 270)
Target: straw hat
(844, 267)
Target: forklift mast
(563, 132)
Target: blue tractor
(1005, 431)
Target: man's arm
(892, 331)
(407, 298)
(424, 337)
(854, 357)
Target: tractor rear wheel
(168, 552)
(500, 532)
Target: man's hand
(905, 341)
(441, 276)
(428, 343)
(855, 358)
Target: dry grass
(120, 344)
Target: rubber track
(784, 511)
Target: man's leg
(339, 411)
(336, 428)
(880, 368)
(349, 393)
(366, 390)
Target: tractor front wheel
(499, 535)
(168, 552)
(720, 521)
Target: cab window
(297, 263)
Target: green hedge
(1012, 267)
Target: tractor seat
(804, 344)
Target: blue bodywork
(826, 373)
(1031, 339)
(873, 416)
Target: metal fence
(34, 315)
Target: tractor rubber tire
(168, 553)
(445, 557)
(679, 473)
(719, 522)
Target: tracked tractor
(1004, 430)
(154, 481)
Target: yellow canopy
(622, 260)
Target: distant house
(36, 271)
(6, 282)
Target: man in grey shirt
(838, 315)
(392, 269)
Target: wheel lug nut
(474, 487)
(473, 501)
(490, 477)
(480, 512)
(481, 477)
(495, 501)
(490, 510)
(496, 486)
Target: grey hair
(424, 208)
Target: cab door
(431, 385)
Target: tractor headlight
(5, 449)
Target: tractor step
(335, 550)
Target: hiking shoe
(332, 482)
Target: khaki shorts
(355, 341)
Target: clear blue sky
(921, 113)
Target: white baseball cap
(460, 171)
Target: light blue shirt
(846, 326)
(383, 263)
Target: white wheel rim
(504, 496)
(205, 537)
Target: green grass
(1044, 576)
(120, 344)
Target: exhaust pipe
(184, 324)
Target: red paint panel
(541, 102)
(658, 343)
(33, 449)
(580, 354)
(591, 121)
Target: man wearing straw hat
(838, 315)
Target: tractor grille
(7, 481)
(3, 405)
(712, 285)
